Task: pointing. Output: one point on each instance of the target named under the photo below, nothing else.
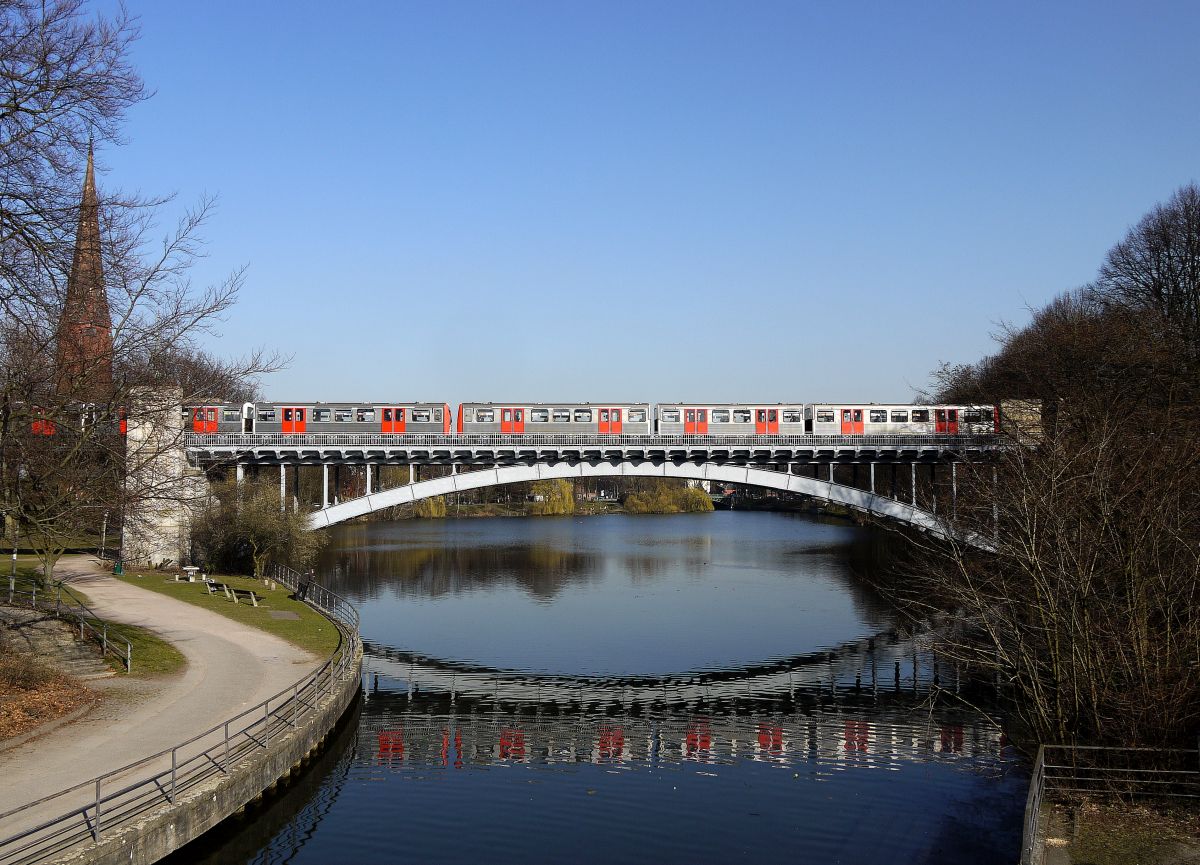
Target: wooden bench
(240, 595)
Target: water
(694, 688)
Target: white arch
(840, 494)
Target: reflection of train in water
(610, 418)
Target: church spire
(84, 359)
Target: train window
(399, 413)
(741, 415)
(420, 415)
(342, 415)
(791, 415)
(387, 415)
(670, 415)
(583, 415)
(972, 415)
(637, 415)
(562, 415)
(437, 415)
(720, 415)
(320, 414)
(539, 415)
(485, 415)
(899, 417)
(825, 415)
(287, 414)
(878, 415)
(267, 414)
(231, 414)
(365, 415)
(920, 415)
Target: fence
(1067, 772)
(86, 811)
(90, 624)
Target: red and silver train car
(730, 419)
(872, 419)
(295, 418)
(560, 418)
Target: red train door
(301, 420)
(946, 420)
(760, 421)
(399, 422)
(604, 423)
(198, 420)
(506, 420)
(293, 419)
(773, 421)
(518, 422)
(210, 419)
(852, 421)
(616, 421)
(689, 421)
(702, 421)
(386, 423)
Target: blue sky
(653, 201)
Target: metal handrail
(223, 745)
(194, 441)
(83, 615)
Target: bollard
(225, 768)
(104, 641)
(171, 796)
(128, 658)
(96, 831)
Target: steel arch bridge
(841, 494)
(479, 461)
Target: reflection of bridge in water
(883, 662)
(870, 703)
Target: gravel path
(231, 667)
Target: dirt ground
(1114, 833)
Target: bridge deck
(529, 449)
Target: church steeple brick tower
(83, 364)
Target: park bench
(240, 595)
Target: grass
(311, 631)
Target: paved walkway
(231, 667)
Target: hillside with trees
(1086, 603)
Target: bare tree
(66, 80)
(1080, 584)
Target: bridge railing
(90, 810)
(249, 441)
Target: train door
(615, 421)
(393, 420)
(506, 420)
(946, 420)
(852, 421)
(399, 421)
(386, 423)
(293, 419)
(604, 424)
(689, 421)
(772, 421)
(512, 420)
(204, 419)
(702, 421)
(518, 425)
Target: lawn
(310, 630)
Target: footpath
(230, 667)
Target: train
(591, 419)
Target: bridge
(803, 464)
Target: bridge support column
(296, 488)
(831, 472)
(872, 478)
(325, 485)
(368, 484)
(239, 474)
(954, 491)
(282, 488)
(914, 485)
